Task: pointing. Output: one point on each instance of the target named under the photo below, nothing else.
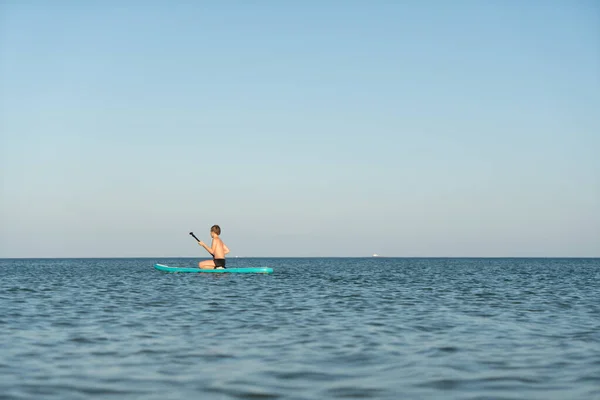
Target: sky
(304, 129)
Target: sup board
(257, 270)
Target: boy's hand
(201, 243)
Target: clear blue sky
(305, 128)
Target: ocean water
(322, 328)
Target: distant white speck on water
(375, 255)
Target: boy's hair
(216, 229)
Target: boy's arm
(225, 248)
(211, 251)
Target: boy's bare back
(218, 247)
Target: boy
(217, 249)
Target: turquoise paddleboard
(259, 270)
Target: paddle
(194, 236)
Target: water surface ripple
(322, 328)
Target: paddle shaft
(194, 236)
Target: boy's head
(216, 229)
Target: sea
(317, 328)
